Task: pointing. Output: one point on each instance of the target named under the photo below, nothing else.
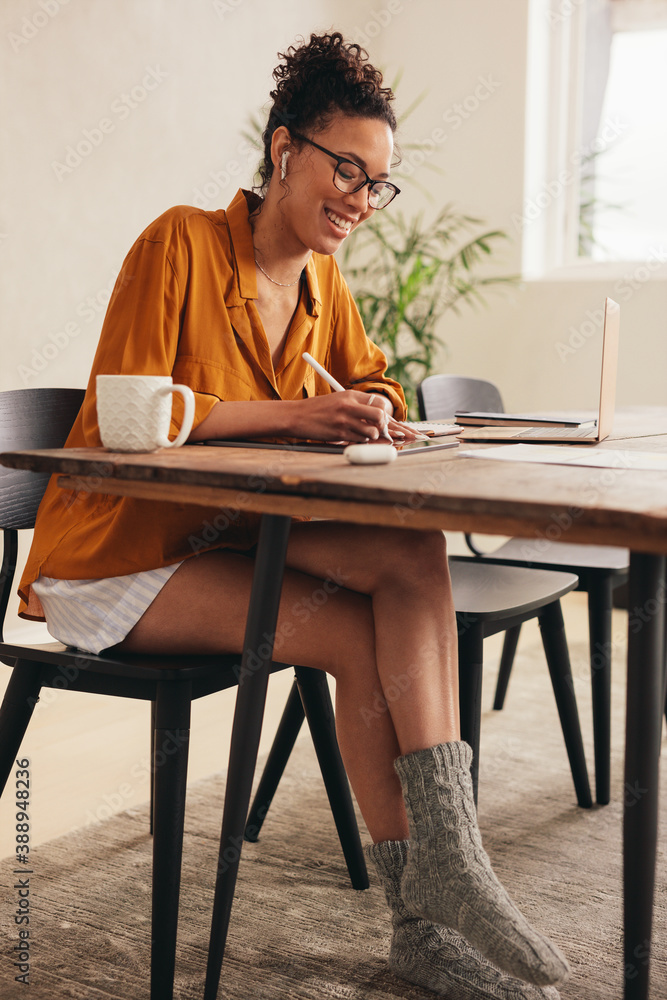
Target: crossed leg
(372, 607)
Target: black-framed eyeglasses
(350, 177)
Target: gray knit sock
(448, 878)
(438, 958)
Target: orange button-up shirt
(184, 305)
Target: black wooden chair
(41, 418)
(600, 569)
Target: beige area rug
(298, 929)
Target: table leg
(642, 743)
(246, 730)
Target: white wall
(65, 229)
(173, 82)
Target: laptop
(584, 433)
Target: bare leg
(370, 606)
(407, 577)
(373, 607)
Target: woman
(227, 302)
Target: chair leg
(151, 816)
(314, 691)
(170, 756)
(471, 643)
(18, 704)
(506, 664)
(558, 660)
(599, 628)
(281, 748)
(664, 657)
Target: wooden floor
(89, 754)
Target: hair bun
(317, 79)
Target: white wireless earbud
(283, 165)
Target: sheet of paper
(600, 458)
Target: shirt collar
(237, 213)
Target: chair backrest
(441, 396)
(31, 418)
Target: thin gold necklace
(281, 283)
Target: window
(596, 134)
(623, 195)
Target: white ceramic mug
(134, 411)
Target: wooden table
(445, 491)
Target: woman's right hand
(340, 416)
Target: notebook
(584, 433)
(432, 428)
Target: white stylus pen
(329, 379)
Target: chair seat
(491, 592)
(222, 670)
(567, 556)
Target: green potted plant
(404, 275)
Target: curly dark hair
(318, 79)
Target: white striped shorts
(94, 614)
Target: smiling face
(316, 215)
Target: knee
(413, 558)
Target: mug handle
(188, 415)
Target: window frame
(549, 221)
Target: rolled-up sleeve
(357, 362)
(141, 329)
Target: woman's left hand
(393, 428)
